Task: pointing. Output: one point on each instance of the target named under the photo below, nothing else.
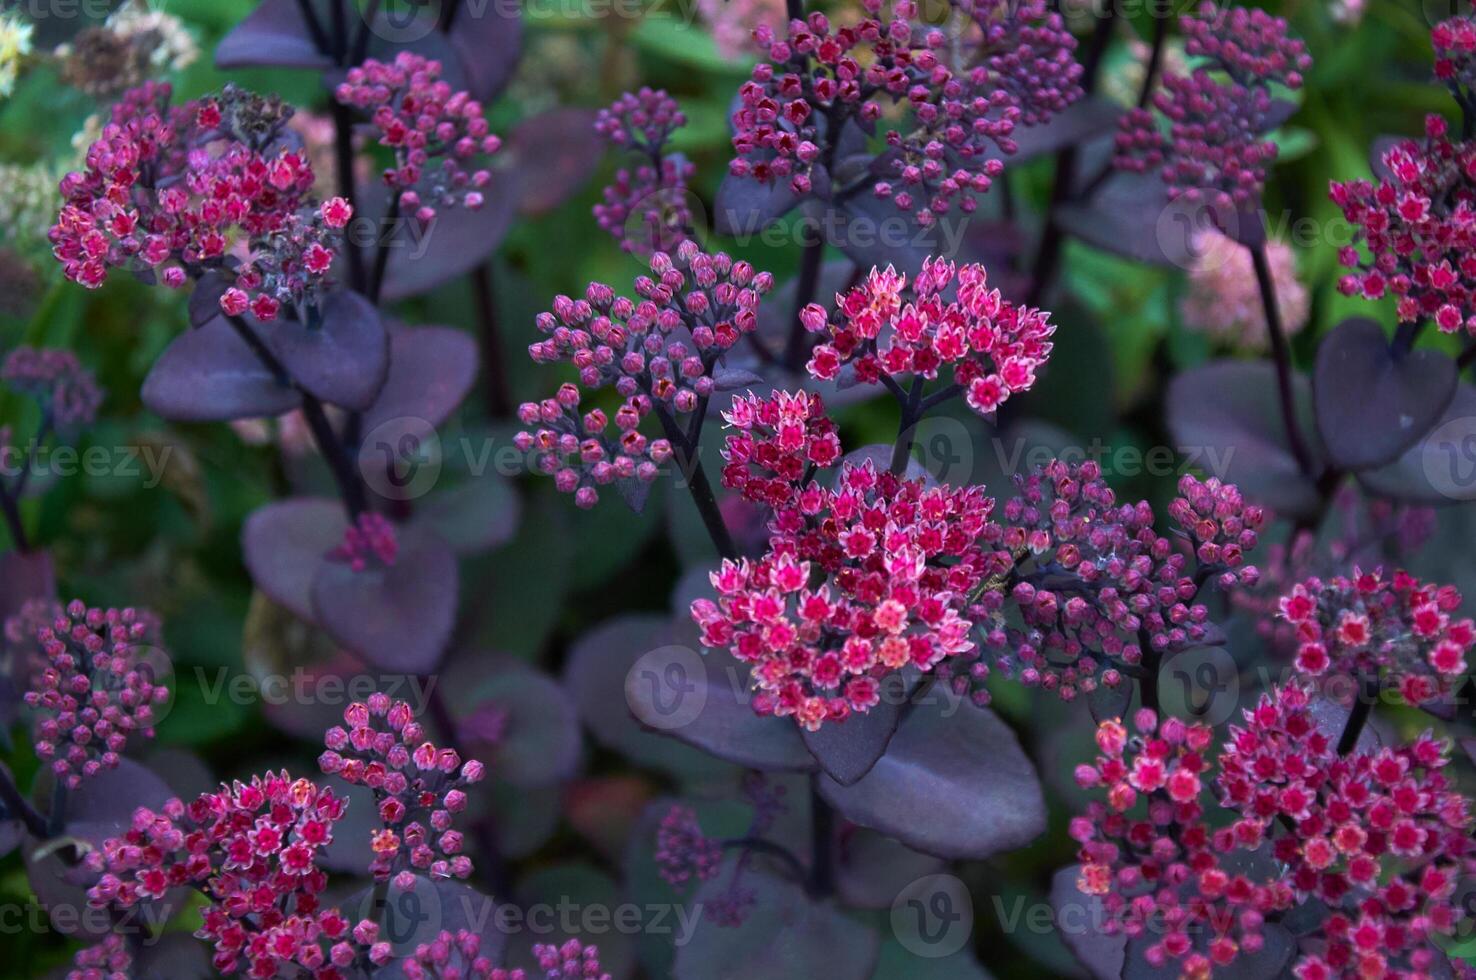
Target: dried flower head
(1399, 628)
(993, 346)
(658, 352)
(15, 44)
(134, 45)
(96, 689)
(418, 787)
(422, 120)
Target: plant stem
(907, 429)
(314, 26)
(343, 155)
(1281, 353)
(697, 483)
(340, 29)
(794, 9)
(1368, 690)
(758, 845)
(494, 364)
(361, 37)
(382, 250)
(11, 509)
(822, 839)
(804, 295)
(20, 808)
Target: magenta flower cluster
(94, 691)
(683, 851)
(67, 391)
(647, 208)
(1397, 628)
(819, 80)
(1029, 53)
(658, 352)
(458, 955)
(777, 445)
(250, 849)
(418, 788)
(371, 541)
(423, 120)
(859, 581)
(1418, 228)
(993, 346)
(167, 190)
(1214, 118)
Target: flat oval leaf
(596, 672)
(706, 701)
(784, 936)
(283, 544)
(474, 516)
(1083, 120)
(487, 38)
(952, 783)
(274, 35)
(848, 750)
(457, 240)
(517, 720)
(431, 370)
(1374, 403)
(400, 617)
(344, 360)
(209, 374)
(744, 207)
(1116, 220)
(554, 154)
(1441, 467)
(1079, 919)
(409, 917)
(872, 869)
(1226, 417)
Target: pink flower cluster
(168, 189)
(683, 852)
(457, 956)
(94, 691)
(1147, 852)
(1212, 149)
(658, 352)
(1095, 588)
(369, 541)
(647, 208)
(1029, 53)
(1454, 41)
(421, 119)
(1400, 628)
(777, 445)
(859, 581)
(1224, 301)
(1418, 225)
(66, 389)
(251, 850)
(820, 79)
(1381, 837)
(993, 346)
(419, 788)
(107, 959)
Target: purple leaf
(872, 869)
(209, 374)
(706, 701)
(174, 956)
(1280, 111)
(952, 783)
(431, 370)
(411, 917)
(1438, 469)
(25, 575)
(1079, 918)
(487, 38)
(744, 207)
(457, 240)
(596, 675)
(342, 361)
(1083, 120)
(1228, 414)
(847, 750)
(474, 516)
(204, 303)
(554, 154)
(517, 720)
(1130, 215)
(1372, 402)
(786, 935)
(283, 544)
(399, 617)
(274, 35)
(875, 232)
(351, 850)
(734, 379)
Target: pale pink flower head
(1223, 301)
